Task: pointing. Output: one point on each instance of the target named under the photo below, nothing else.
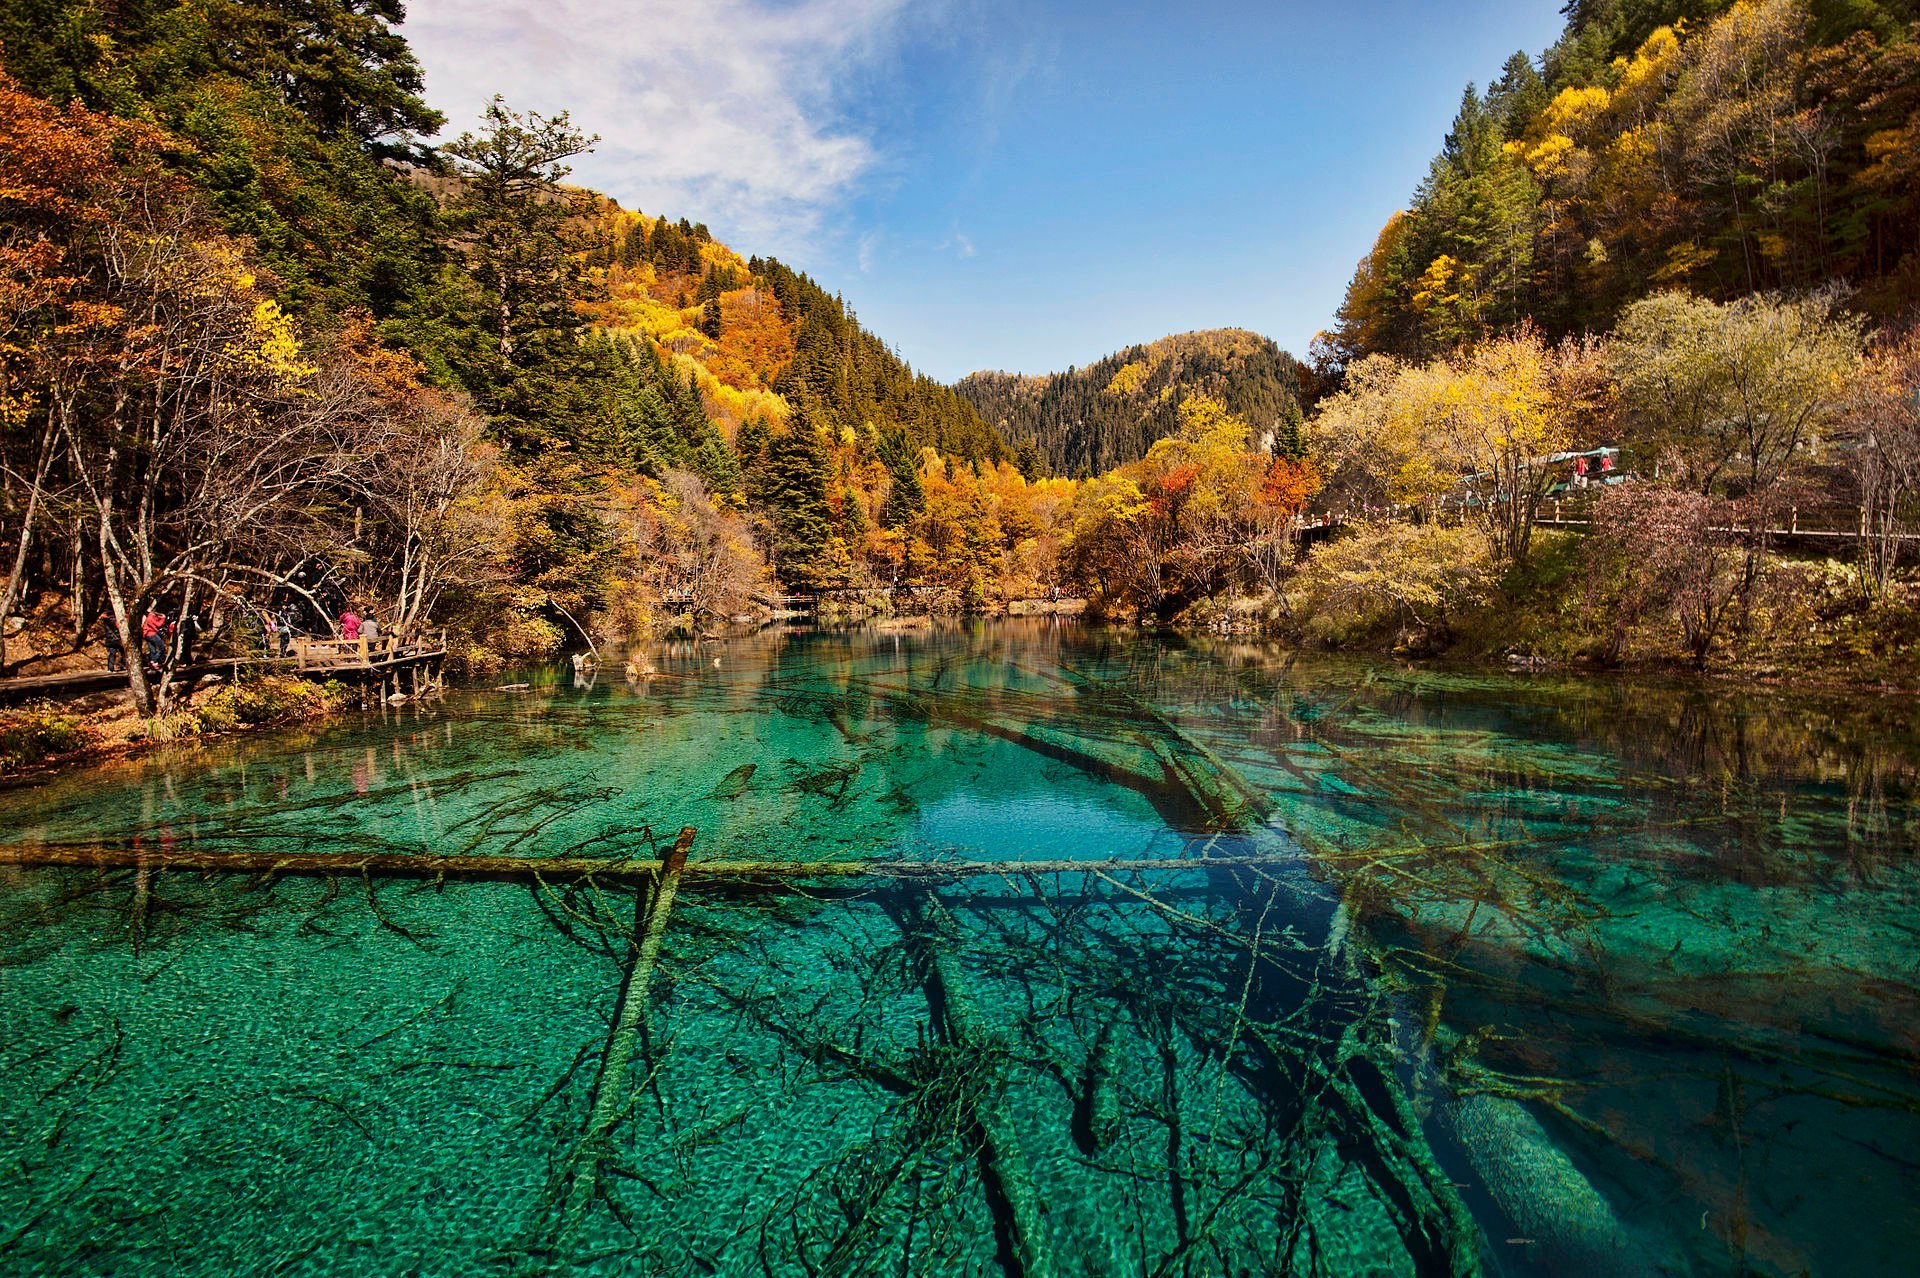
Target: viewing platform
(398, 665)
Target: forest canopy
(258, 319)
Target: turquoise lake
(1363, 968)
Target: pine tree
(1289, 441)
(793, 481)
(633, 248)
(908, 496)
(519, 229)
(1026, 460)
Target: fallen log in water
(1002, 1160)
(577, 1182)
(612, 1097)
(425, 864)
(1152, 754)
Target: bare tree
(1882, 430)
(713, 559)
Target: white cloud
(725, 111)
(869, 243)
(956, 242)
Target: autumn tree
(1660, 553)
(418, 491)
(1270, 544)
(1173, 527)
(709, 553)
(1407, 582)
(1384, 441)
(1512, 405)
(58, 176)
(1478, 433)
(1733, 394)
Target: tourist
(289, 619)
(116, 647)
(369, 627)
(153, 629)
(349, 624)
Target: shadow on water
(1520, 975)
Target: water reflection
(1515, 974)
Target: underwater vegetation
(1009, 948)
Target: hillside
(760, 339)
(1722, 148)
(547, 414)
(1089, 420)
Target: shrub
(34, 733)
(1662, 555)
(268, 699)
(1403, 580)
(1540, 608)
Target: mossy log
(613, 1098)
(1004, 1163)
(431, 865)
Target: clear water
(1534, 976)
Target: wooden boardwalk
(396, 664)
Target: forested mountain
(1715, 146)
(622, 410)
(1088, 420)
(761, 339)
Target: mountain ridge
(1093, 418)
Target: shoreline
(134, 744)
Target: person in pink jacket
(349, 624)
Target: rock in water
(734, 784)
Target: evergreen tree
(793, 479)
(1026, 460)
(517, 227)
(633, 247)
(907, 497)
(1516, 97)
(1289, 440)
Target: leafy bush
(1816, 616)
(259, 701)
(1541, 608)
(34, 733)
(1406, 581)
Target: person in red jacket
(153, 628)
(349, 624)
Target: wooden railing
(321, 654)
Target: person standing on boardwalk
(153, 629)
(349, 624)
(369, 627)
(116, 649)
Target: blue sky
(994, 184)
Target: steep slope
(1718, 146)
(761, 340)
(1095, 418)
